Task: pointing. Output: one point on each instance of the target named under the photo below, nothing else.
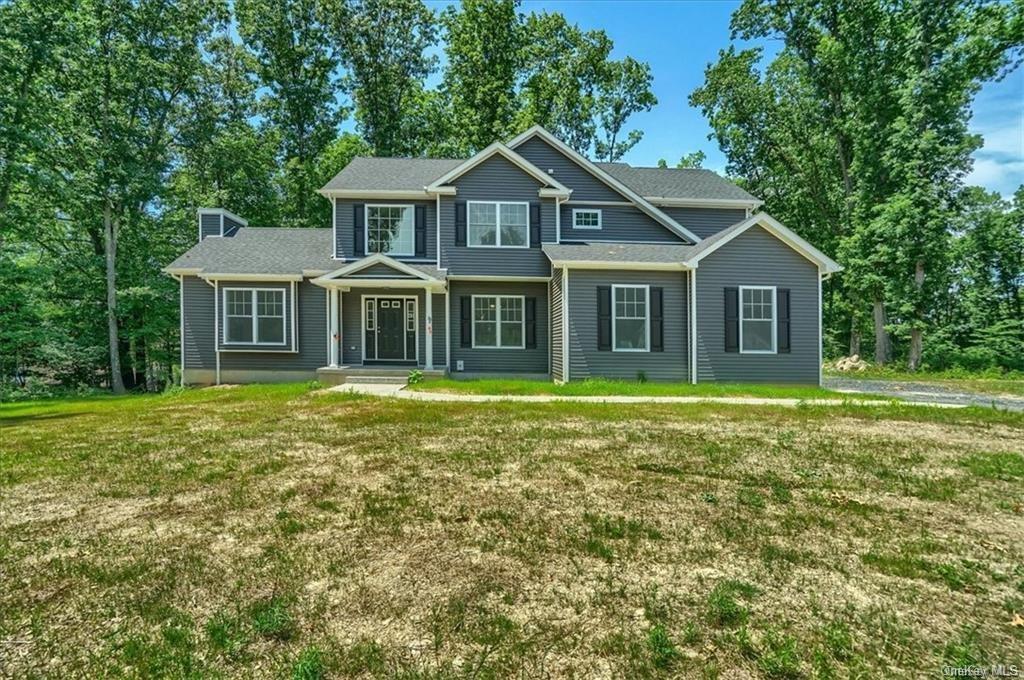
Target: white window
(390, 229)
(586, 219)
(254, 316)
(630, 322)
(498, 225)
(499, 321)
(757, 319)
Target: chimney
(219, 222)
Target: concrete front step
(376, 379)
(338, 375)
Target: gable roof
(390, 174)
(599, 173)
(709, 245)
(259, 250)
(497, 148)
(699, 184)
(429, 273)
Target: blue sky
(678, 39)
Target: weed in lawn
(661, 648)
(310, 665)
(724, 609)
(225, 634)
(778, 657)
(272, 619)
(1001, 465)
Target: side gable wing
(499, 149)
(825, 264)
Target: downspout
(693, 326)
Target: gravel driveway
(923, 391)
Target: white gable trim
(376, 258)
(586, 164)
(510, 155)
(825, 264)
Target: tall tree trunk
(110, 254)
(916, 332)
(854, 337)
(883, 348)
(150, 367)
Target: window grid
(757, 320)
(390, 229)
(497, 225)
(630, 323)
(499, 322)
(586, 219)
(254, 316)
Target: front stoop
(339, 375)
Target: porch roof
(610, 255)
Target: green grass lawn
(288, 531)
(602, 387)
(984, 383)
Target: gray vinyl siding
(587, 361)
(705, 221)
(618, 223)
(556, 326)
(585, 187)
(288, 305)
(756, 258)
(344, 232)
(496, 179)
(381, 270)
(352, 323)
(533, 360)
(199, 332)
(209, 225)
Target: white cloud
(1000, 175)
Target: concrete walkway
(919, 391)
(399, 392)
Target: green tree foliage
(625, 90)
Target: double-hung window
(586, 218)
(254, 316)
(498, 225)
(499, 321)
(631, 327)
(390, 230)
(757, 319)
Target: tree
(625, 89)
(692, 160)
(485, 56)
(386, 44)
(298, 60)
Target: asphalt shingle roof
(676, 182)
(391, 174)
(648, 253)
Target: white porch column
(430, 328)
(333, 298)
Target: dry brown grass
(265, 531)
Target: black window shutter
(460, 223)
(466, 318)
(421, 231)
(535, 225)
(782, 325)
(732, 319)
(657, 321)
(531, 322)
(604, 317)
(359, 229)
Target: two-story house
(525, 259)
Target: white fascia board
(666, 202)
(546, 192)
(226, 213)
(374, 194)
(346, 284)
(633, 266)
(513, 279)
(378, 258)
(587, 165)
(251, 277)
(182, 271)
(510, 155)
(826, 265)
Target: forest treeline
(118, 118)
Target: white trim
(330, 327)
(669, 202)
(565, 324)
(608, 204)
(404, 284)
(586, 164)
(821, 339)
(295, 318)
(228, 344)
(376, 326)
(334, 227)
(497, 223)
(251, 277)
(428, 328)
(216, 326)
(510, 155)
(647, 317)
(182, 271)
(370, 260)
(775, 320)
(366, 227)
(181, 327)
(516, 279)
(498, 321)
(545, 192)
(825, 264)
(583, 211)
(558, 221)
(223, 213)
(626, 266)
(693, 326)
(376, 194)
(437, 227)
